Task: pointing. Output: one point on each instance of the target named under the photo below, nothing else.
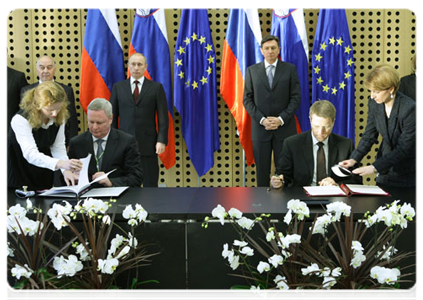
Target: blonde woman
(392, 115)
(36, 141)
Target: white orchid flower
(281, 282)
(235, 213)
(245, 223)
(263, 267)
(276, 260)
(19, 271)
(220, 213)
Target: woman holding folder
(36, 140)
(392, 115)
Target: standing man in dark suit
(272, 95)
(46, 68)
(408, 82)
(299, 165)
(110, 148)
(136, 103)
(15, 82)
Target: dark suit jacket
(298, 163)
(121, 153)
(261, 100)
(409, 86)
(15, 82)
(396, 158)
(71, 128)
(139, 119)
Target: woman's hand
(348, 163)
(367, 170)
(70, 178)
(74, 165)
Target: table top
(196, 203)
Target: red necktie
(136, 91)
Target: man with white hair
(110, 148)
(46, 69)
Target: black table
(196, 203)
(190, 256)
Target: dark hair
(268, 38)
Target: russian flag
(102, 56)
(241, 49)
(149, 37)
(289, 26)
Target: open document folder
(83, 183)
(345, 190)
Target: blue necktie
(270, 75)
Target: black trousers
(263, 159)
(150, 170)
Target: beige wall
(378, 36)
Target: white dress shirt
(25, 139)
(140, 83)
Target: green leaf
(242, 290)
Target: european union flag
(333, 68)
(195, 88)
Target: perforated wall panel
(378, 36)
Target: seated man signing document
(307, 157)
(110, 148)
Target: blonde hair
(323, 109)
(45, 94)
(381, 78)
(413, 61)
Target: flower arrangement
(40, 256)
(333, 252)
(26, 254)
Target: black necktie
(99, 156)
(136, 90)
(321, 163)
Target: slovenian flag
(289, 26)
(102, 56)
(149, 37)
(241, 49)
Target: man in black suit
(136, 103)
(408, 83)
(15, 82)
(46, 69)
(272, 106)
(110, 148)
(299, 159)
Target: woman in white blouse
(36, 140)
